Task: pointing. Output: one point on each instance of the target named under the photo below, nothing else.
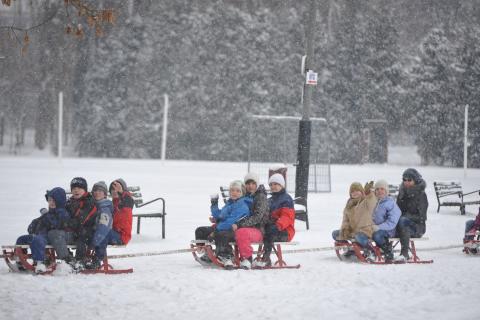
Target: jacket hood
(58, 194)
(412, 191)
(121, 181)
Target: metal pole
(165, 123)
(465, 143)
(304, 132)
(249, 155)
(60, 124)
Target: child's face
(275, 187)
(356, 194)
(51, 203)
(235, 193)
(380, 193)
(98, 195)
(251, 186)
(77, 192)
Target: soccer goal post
(272, 143)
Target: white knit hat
(277, 178)
(381, 184)
(238, 184)
(251, 176)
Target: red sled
(472, 247)
(350, 250)
(19, 259)
(204, 247)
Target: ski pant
(272, 234)
(100, 240)
(360, 237)
(468, 226)
(37, 244)
(59, 239)
(244, 238)
(221, 238)
(407, 229)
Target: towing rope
(305, 250)
(319, 249)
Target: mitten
(261, 189)
(214, 199)
(368, 187)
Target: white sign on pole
(312, 78)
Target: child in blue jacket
(234, 210)
(39, 227)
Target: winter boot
(40, 267)
(387, 251)
(246, 263)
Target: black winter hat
(79, 182)
(413, 174)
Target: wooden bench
(157, 213)
(450, 194)
(18, 254)
(300, 205)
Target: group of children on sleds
(370, 218)
(88, 220)
(371, 214)
(249, 217)
(91, 221)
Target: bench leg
(163, 226)
(138, 225)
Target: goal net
(272, 143)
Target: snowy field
(174, 286)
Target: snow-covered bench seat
(450, 194)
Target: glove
(214, 199)
(368, 187)
(43, 211)
(261, 189)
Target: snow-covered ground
(174, 286)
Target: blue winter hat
(413, 174)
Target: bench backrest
(136, 195)
(393, 190)
(443, 189)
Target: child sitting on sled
(471, 227)
(221, 231)
(280, 226)
(39, 227)
(357, 222)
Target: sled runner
(472, 246)
(19, 259)
(201, 249)
(349, 250)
